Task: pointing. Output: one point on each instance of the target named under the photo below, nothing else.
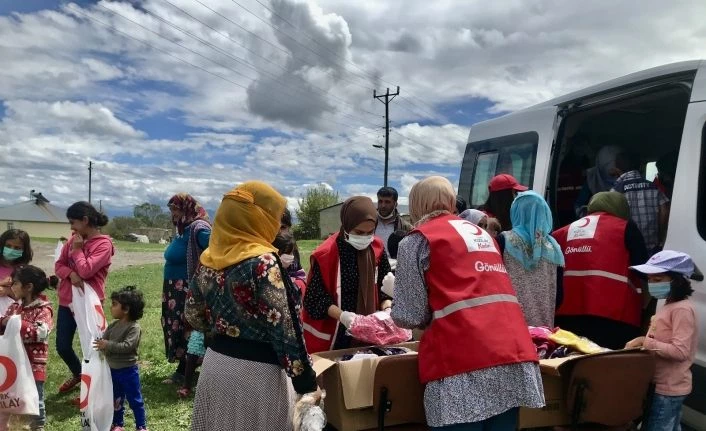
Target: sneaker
(117, 428)
(69, 384)
(142, 429)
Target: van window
(701, 208)
(514, 155)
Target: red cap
(505, 182)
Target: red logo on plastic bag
(10, 373)
(86, 380)
(103, 322)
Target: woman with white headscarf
(599, 178)
(451, 281)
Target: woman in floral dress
(252, 314)
(181, 256)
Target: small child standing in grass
(28, 283)
(119, 344)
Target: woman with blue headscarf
(533, 258)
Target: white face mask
(359, 242)
(287, 260)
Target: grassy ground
(165, 412)
(127, 246)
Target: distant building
(38, 217)
(330, 218)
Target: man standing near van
(389, 219)
(649, 207)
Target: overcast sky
(195, 96)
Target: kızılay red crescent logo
(10, 373)
(85, 380)
(103, 322)
(587, 222)
(477, 231)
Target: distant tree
(314, 200)
(120, 227)
(151, 215)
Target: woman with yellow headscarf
(240, 297)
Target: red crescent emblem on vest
(588, 221)
(86, 380)
(475, 229)
(10, 373)
(103, 322)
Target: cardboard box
(556, 412)
(349, 388)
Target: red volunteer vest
(597, 280)
(476, 322)
(320, 335)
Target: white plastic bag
(57, 251)
(89, 316)
(96, 398)
(5, 302)
(18, 391)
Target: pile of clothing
(558, 343)
(378, 329)
(374, 352)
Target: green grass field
(165, 412)
(127, 246)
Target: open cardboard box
(349, 387)
(555, 373)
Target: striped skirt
(234, 394)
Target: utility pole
(386, 99)
(90, 179)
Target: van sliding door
(687, 231)
(519, 144)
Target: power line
(203, 69)
(411, 96)
(208, 58)
(420, 111)
(308, 48)
(70, 6)
(225, 35)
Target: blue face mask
(10, 254)
(660, 290)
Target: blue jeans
(503, 422)
(41, 420)
(126, 386)
(665, 414)
(65, 331)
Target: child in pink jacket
(673, 336)
(86, 257)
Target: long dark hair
(23, 236)
(498, 204)
(680, 288)
(27, 274)
(82, 209)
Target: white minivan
(652, 114)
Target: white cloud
(75, 91)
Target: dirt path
(44, 257)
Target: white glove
(388, 284)
(347, 318)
